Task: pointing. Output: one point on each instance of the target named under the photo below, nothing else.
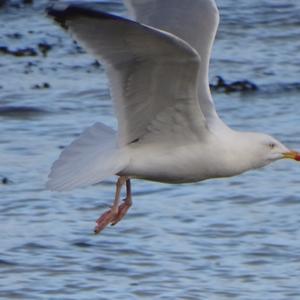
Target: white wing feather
(194, 21)
(150, 71)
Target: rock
(96, 64)
(44, 85)
(18, 53)
(5, 180)
(15, 35)
(20, 112)
(44, 48)
(237, 86)
(3, 2)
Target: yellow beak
(292, 155)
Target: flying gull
(168, 128)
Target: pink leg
(123, 208)
(116, 213)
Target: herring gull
(168, 128)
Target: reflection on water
(222, 239)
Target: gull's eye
(272, 145)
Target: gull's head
(265, 149)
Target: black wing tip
(58, 13)
(66, 11)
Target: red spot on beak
(292, 155)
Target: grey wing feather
(150, 71)
(194, 21)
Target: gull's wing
(153, 74)
(194, 21)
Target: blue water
(235, 238)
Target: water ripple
(222, 239)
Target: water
(235, 238)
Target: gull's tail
(92, 157)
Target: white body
(193, 162)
